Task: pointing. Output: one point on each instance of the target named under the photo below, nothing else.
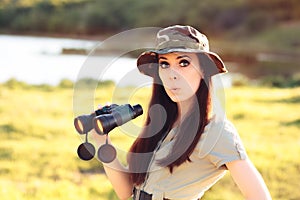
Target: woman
(185, 146)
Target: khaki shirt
(218, 145)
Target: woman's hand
(99, 139)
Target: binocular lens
(98, 126)
(84, 123)
(78, 125)
(104, 124)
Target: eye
(184, 63)
(164, 65)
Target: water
(38, 60)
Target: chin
(178, 99)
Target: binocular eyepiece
(107, 118)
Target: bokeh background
(45, 43)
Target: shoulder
(229, 133)
(229, 141)
(221, 138)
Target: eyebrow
(183, 56)
(179, 57)
(163, 58)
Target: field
(38, 142)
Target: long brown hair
(166, 113)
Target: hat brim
(147, 62)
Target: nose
(173, 74)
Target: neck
(184, 108)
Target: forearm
(249, 180)
(257, 188)
(116, 173)
(120, 179)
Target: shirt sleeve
(229, 147)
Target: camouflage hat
(177, 38)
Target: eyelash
(182, 63)
(164, 65)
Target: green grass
(38, 142)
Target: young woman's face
(180, 74)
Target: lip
(174, 89)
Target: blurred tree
(96, 17)
(66, 83)
(40, 14)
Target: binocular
(103, 121)
(107, 118)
